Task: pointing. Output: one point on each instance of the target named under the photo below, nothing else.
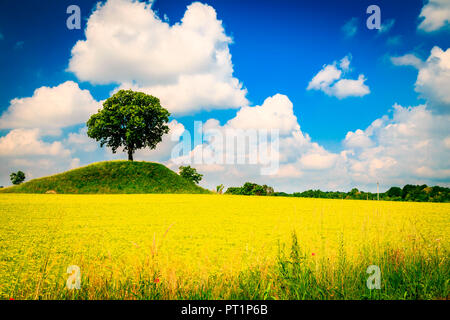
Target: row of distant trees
(251, 189)
(419, 193)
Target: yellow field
(211, 246)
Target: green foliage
(219, 189)
(321, 194)
(409, 192)
(421, 193)
(132, 120)
(17, 177)
(394, 192)
(402, 276)
(190, 174)
(112, 177)
(251, 189)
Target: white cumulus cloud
(20, 142)
(331, 81)
(277, 112)
(433, 78)
(315, 161)
(411, 146)
(407, 60)
(435, 15)
(50, 108)
(357, 139)
(407, 148)
(187, 64)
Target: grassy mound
(111, 177)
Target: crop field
(221, 247)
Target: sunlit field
(221, 247)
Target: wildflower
(156, 280)
(12, 299)
(313, 254)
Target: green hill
(111, 177)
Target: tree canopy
(17, 177)
(132, 120)
(191, 174)
(250, 189)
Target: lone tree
(132, 120)
(190, 174)
(17, 177)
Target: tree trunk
(130, 154)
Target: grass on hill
(111, 177)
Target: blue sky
(277, 48)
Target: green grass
(111, 177)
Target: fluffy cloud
(20, 142)
(288, 171)
(435, 15)
(282, 158)
(272, 122)
(344, 64)
(330, 80)
(411, 146)
(433, 78)
(187, 65)
(357, 139)
(275, 113)
(447, 142)
(407, 60)
(193, 93)
(350, 88)
(50, 108)
(407, 148)
(80, 141)
(318, 161)
(43, 114)
(324, 78)
(24, 149)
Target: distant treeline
(409, 192)
(251, 189)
